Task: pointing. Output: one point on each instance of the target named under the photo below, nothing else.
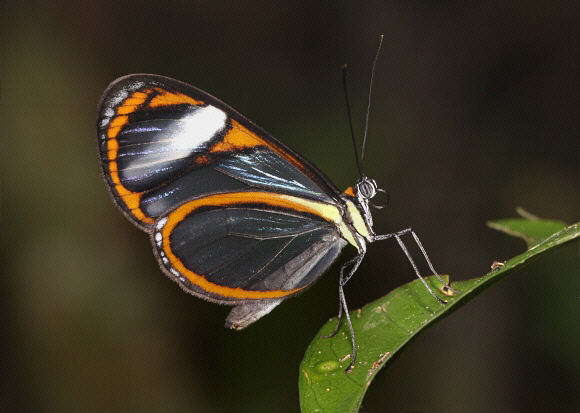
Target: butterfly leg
(337, 326)
(340, 284)
(343, 308)
(358, 259)
(397, 236)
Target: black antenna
(344, 71)
(369, 105)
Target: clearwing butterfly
(234, 215)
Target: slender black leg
(337, 326)
(359, 259)
(343, 309)
(416, 238)
(397, 236)
(340, 283)
(356, 261)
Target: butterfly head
(363, 191)
(366, 189)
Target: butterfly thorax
(357, 212)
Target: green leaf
(384, 326)
(530, 228)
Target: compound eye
(367, 188)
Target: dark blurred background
(475, 112)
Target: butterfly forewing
(163, 142)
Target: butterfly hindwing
(246, 246)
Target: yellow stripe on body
(358, 221)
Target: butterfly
(234, 215)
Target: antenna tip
(344, 66)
